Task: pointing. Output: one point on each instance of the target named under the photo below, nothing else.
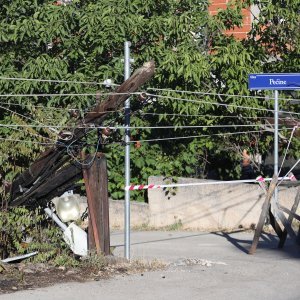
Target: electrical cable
(31, 133)
(135, 127)
(39, 106)
(69, 95)
(58, 108)
(25, 141)
(203, 115)
(287, 148)
(27, 118)
(204, 135)
(58, 81)
(291, 169)
(69, 151)
(220, 104)
(217, 94)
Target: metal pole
(127, 154)
(276, 142)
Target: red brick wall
(239, 33)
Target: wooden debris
(286, 222)
(263, 215)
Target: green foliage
(23, 231)
(83, 41)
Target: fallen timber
(54, 171)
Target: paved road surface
(203, 266)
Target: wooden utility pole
(96, 183)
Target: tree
(83, 41)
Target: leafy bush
(23, 231)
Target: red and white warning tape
(262, 181)
(259, 179)
(142, 187)
(292, 177)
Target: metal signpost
(127, 154)
(276, 82)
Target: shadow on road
(166, 239)
(267, 241)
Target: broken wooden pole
(286, 224)
(275, 226)
(263, 215)
(94, 239)
(96, 183)
(51, 160)
(292, 215)
(55, 185)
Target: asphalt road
(202, 266)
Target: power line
(204, 115)
(212, 103)
(142, 113)
(221, 104)
(58, 108)
(152, 140)
(198, 136)
(39, 106)
(218, 94)
(25, 141)
(68, 95)
(31, 133)
(69, 151)
(291, 169)
(287, 148)
(190, 126)
(134, 127)
(59, 81)
(27, 118)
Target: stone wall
(210, 207)
(206, 207)
(139, 214)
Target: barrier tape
(292, 177)
(259, 180)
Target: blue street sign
(274, 81)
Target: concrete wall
(207, 207)
(210, 207)
(139, 214)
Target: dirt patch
(19, 277)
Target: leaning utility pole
(55, 171)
